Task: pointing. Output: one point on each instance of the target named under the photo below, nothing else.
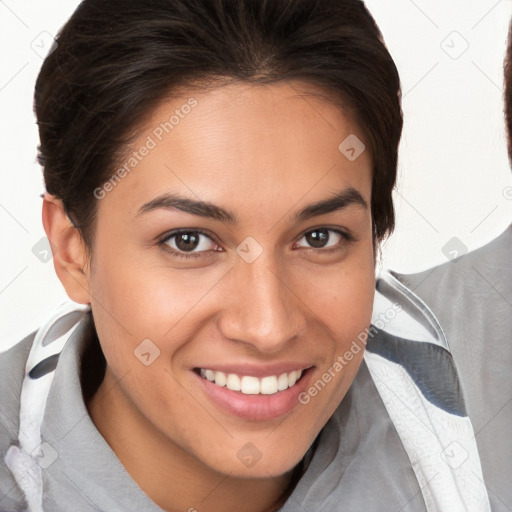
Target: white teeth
(282, 382)
(220, 379)
(252, 385)
(268, 385)
(233, 382)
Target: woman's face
(272, 274)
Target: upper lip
(255, 370)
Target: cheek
(342, 296)
(144, 299)
(140, 309)
(343, 304)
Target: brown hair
(115, 60)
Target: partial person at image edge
(472, 298)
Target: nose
(263, 311)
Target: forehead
(246, 145)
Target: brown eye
(321, 238)
(317, 238)
(189, 242)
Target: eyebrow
(339, 201)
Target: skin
(263, 153)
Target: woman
(219, 178)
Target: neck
(169, 475)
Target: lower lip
(256, 407)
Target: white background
(454, 174)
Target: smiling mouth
(249, 385)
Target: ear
(69, 255)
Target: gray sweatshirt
(472, 298)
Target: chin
(252, 462)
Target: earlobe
(70, 258)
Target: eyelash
(162, 243)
